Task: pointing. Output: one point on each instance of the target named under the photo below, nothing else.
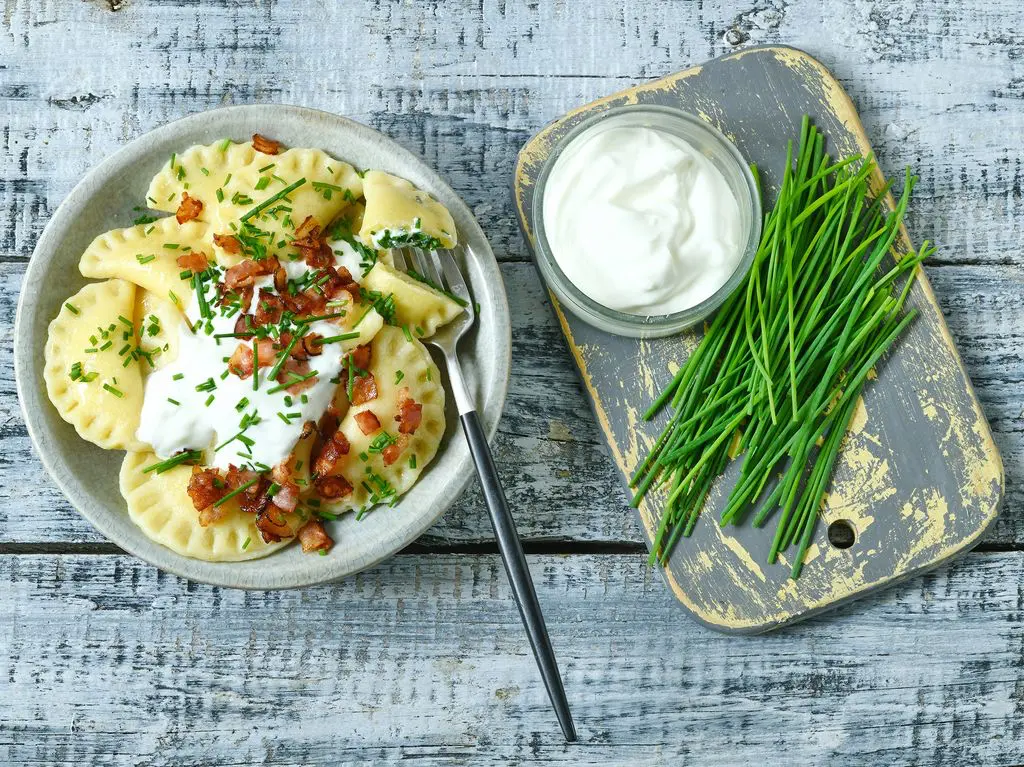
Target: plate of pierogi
(221, 365)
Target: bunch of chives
(779, 371)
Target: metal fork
(450, 279)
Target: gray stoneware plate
(103, 200)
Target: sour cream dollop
(193, 404)
(640, 221)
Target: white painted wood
(103, 660)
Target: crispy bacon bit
(308, 227)
(241, 362)
(244, 273)
(281, 280)
(311, 346)
(332, 487)
(265, 145)
(287, 497)
(307, 429)
(361, 357)
(367, 422)
(189, 209)
(253, 499)
(243, 326)
(269, 307)
(195, 262)
(410, 414)
(267, 354)
(228, 243)
(330, 453)
(328, 423)
(392, 452)
(270, 521)
(241, 297)
(364, 389)
(211, 515)
(314, 537)
(290, 370)
(205, 488)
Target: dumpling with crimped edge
(330, 186)
(417, 305)
(158, 324)
(201, 171)
(107, 417)
(160, 505)
(147, 255)
(396, 211)
(400, 366)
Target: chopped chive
(72, 308)
(170, 463)
(245, 544)
(236, 491)
(272, 199)
(116, 392)
(173, 401)
(412, 461)
(178, 376)
(144, 259)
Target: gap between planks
(428, 547)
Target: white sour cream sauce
(641, 222)
(192, 425)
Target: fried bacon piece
(410, 413)
(328, 423)
(211, 515)
(393, 452)
(281, 280)
(293, 369)
(287, 496)
(241, 362)
(205, 488)
(367, 422)
(332, 487)
(361, 357)
(331, 452)
(244, 273)
(311, 346)
(364, 389)
(314, 537)
(243, 327)
(228, 243)
(195, 262)
(241, 296)
(269, 307)
(267, 353)
(310, 242)
(189, 209)
(253, 499)
(265, 145)
(270, 521)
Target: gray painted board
(918, 477)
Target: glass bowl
(716, 148)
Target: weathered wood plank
(559, 480)
(105, 660)
(465, 84)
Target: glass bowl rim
(625, 323)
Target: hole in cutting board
(842, 534)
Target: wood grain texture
(105, 661)
(164, 673)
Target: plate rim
(492, 393)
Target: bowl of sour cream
(646, 219)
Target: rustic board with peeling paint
(104, 660)
(918, 476)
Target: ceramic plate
(104, 200)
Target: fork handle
(517, 570)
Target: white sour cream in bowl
(647, 219)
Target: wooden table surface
(104, 660)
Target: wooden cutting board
(918, 479)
